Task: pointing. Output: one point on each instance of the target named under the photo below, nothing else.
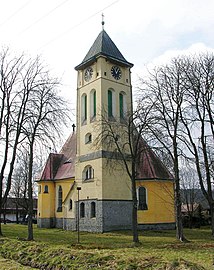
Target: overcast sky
(62, 31)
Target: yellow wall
(160, 201)
(66, 186)
(46, 201)
(116, 183)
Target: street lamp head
(78, 188)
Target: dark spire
(103, 46)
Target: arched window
(88, 138)
(122, 103)
(93, 209)
(46, 189)
(84, 107)
(88, 173)
(59, 208)
(142, 199)
(82, 210)
(93, 104)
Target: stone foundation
(110, 216)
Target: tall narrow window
(59, 209)
(110, 104)
(122, 105)
(93, 210)
(142, 199)
(84, 107)
(93, 104)
(121, 100)
(70, 204)
(82, 210)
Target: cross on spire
(103, 21)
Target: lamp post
(78, 227)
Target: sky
(62, 31)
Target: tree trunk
(212, 218)
(30, 195)
(179, 224)
(134, 212)
(17, 214)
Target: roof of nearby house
(195, 196)
(62, 166)
(103, 45)
(21, 203)
(193, 207)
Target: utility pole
(78, 225)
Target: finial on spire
(103, 21)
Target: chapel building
(77, 184)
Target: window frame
(84, 108)
(93, 104)
(88, 173)
(82, 210)
(93, 210)
(142, 203)
(59, 199)
(46, 189)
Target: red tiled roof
(150, 165)
(62, 165)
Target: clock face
(88, 74)
(116, 72)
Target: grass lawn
(58, 249)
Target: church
(77, 187)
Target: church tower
(103, 88)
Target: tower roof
(103, 46)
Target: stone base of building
(70, 224)
(46, 222)
(110, 215)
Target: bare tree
(198, 120)
(19, 184)
(123, 138)
(32, 112)
(13, 97)
(46, 115)
(19, 187)
(183, 119)
(164, 89)
(190, 190)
